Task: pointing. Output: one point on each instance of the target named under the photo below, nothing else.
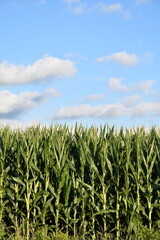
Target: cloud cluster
(109, 8)
(131, 101)
(117, 8)
(123, 109)
(122, 58)
(12, 105)
(101, 7)
(47, 67)
(147, 109)
(87, 110)
(115, 84)
(131, 106)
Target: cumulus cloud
(12, 105)
(122, 58)
(47, 67)
(86, 110)
(131, 101)
(147, 109)
(109, 111)
(94, 97)
(116, 85)
(145, 87)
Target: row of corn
(86, 181)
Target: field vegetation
(81, 183)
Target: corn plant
(86, 181)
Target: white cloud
(145, 87)
(139, 2)
(12, 105)
(47, 67)
(131, 101)
(109, 8)
(117, 7)
(51, 92)
(124, 109)
(86, 110)
(116, 85)
(94, 97)
(75, 55)
(20, 124)
(79, 9)
(76, 8)
(102, 7)
(147, 109)
(122, 58)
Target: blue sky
(87, 61)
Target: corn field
(95, 183)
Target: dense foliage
(88, 182)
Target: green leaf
(18, 180)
